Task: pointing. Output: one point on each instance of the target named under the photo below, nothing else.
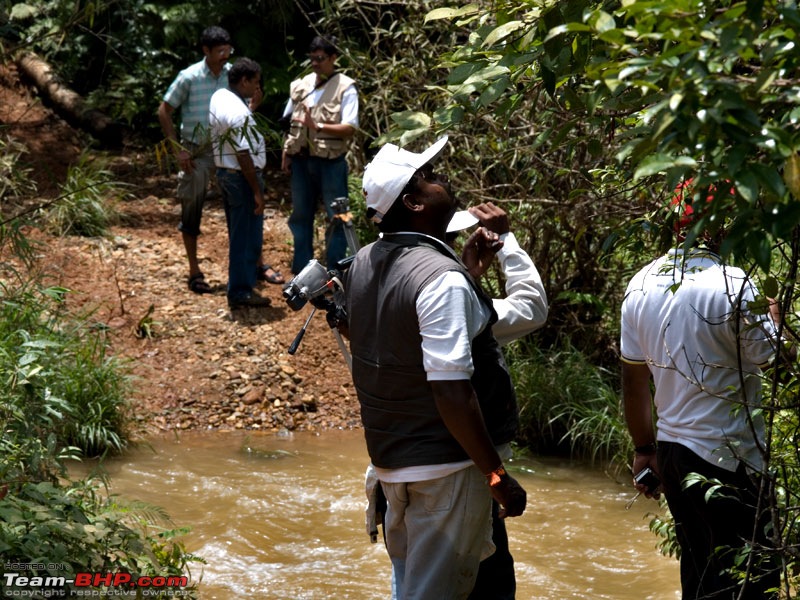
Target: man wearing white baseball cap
(437, 403)
(522, 310)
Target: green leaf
(409, 119)
(494, 91)
(760, 249)
(658, 163)
(501, 33)
(791, 174)
(488, 74)
(603, 21)
(21, 12)
(447, 117)
(28, 358)
(452, 13)
(746, 184)
(759, 306)
(567, 28)
(770, 287)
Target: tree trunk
(68, 103)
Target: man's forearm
(459, 409)
(637, 403)
(248, 170)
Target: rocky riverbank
(195, 363)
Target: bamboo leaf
(791, 174)
(451, 13)
(501, 33)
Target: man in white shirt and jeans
(240, 156)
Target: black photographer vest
(401, 423)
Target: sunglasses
(428, 174)
(317, 58)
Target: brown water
(283, 518)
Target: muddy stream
(282, 517)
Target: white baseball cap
(462, 219)
(390, 171)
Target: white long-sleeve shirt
(448, 303)
(524, 309)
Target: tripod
(341, 212)
(314, 282)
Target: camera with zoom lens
(313, 283)
(310, 283)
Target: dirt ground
(202, 366)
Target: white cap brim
(461, 220)
(390, 171)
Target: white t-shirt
(679, 317)
(232, 130)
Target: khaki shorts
(192, 193)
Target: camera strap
(420, 239)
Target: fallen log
(68, 103)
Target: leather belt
(236, 171)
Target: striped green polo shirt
(191, 92)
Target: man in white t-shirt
(240, 156)
(687, 326)
(521, 311)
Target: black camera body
(310, 283)
(317, 285)
(649, 479)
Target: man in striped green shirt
(191, 92)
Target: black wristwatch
(646, 449)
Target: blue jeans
(245, 232)
(314, 178)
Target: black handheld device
(648, 478)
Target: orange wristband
(497, 476)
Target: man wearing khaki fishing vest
(323, 106)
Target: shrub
(568, 404)
(87, 203)
(14, 179)
(64, 398)
(73, 528)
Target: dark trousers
(245, 232)
(315, 179)
(712, 531)
(496, 580)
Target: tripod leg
(350, 234)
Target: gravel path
(202, 366)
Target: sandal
(197, 283)
(273, 277)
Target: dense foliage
(64, 399)
(634, 97)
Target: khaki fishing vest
(303, 140)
